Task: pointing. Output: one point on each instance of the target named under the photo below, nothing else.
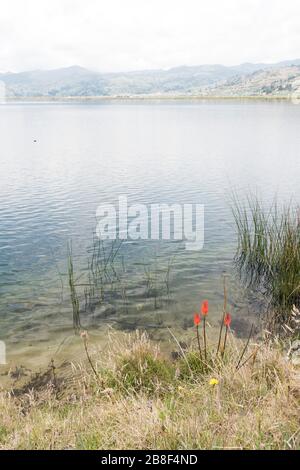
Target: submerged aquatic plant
(106, 283)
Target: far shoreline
(153, 98)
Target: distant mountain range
(280, 79)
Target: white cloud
(113, 35)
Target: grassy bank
(132, 396)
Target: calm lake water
(153, 152)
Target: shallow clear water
(87, 154)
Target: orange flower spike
(227, 320)
(204, 308)
(197, 319)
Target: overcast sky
(115, 35)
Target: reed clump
(73, 292)
(105, 282)
(268, 254)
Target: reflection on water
(59, 162)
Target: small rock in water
(104, 311)
(20, 308)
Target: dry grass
(141, 399)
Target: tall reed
(73, 293)
(268, 253)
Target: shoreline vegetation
(268, 257)
(64, 99)
(131, 395)
(203, 392)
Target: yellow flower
(213, 382)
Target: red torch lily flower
(204, 308)
(197, 319)
(227, 320)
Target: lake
(60, 161)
